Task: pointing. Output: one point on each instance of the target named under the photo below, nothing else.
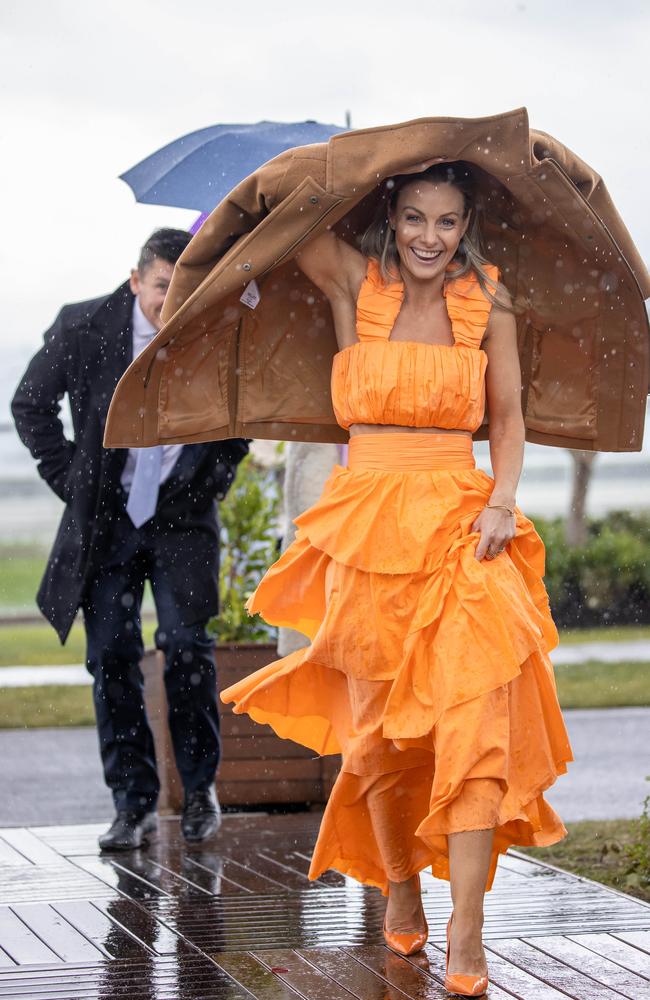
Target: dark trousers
(114, 650)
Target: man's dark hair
(168, 244)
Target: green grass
(50, 705)
(22, 569)
(613, 633)
(599, 849)
(37, 644)
(603, 685)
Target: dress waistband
(403, 451)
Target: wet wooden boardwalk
(237, 919)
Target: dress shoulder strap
(468, 306)
(378, 304)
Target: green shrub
(607, 580)
(248, 517)
(638, 877)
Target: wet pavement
(56, 775)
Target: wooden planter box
(257, 767)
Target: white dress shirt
(143, 331)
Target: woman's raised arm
(333, 265)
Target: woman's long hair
(378, 241)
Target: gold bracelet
(501, 506)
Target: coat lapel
(113, 323)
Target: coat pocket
(563, 392)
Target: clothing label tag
(251, 295)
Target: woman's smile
(426, 256)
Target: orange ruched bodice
(411, 384)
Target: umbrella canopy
(199, 169)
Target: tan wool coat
(221, 368)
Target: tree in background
(576, 522)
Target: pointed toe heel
(407, 944)
(459, 984)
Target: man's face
(151, 287)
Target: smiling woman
(414, 576)
(417, 580)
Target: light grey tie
(143, 495)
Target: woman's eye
(448, 223)
(412, 218)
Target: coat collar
(371, 155)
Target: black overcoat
(86, 351)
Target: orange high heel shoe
(462, 985)
(407, 944)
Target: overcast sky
(90, 88)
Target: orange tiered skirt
(427, 670)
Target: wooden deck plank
(525, 984)
(20, 943)
(246, 971)
(140, 919)
(209, 869)
(599, 968)
(295, 971)
(5, 960)
(63, 939)
(32, 848)
(42, 884)
(192, 977)
(618, 951)
(274, 871)
(414, 980)
(145, 928)
(432, 961)
(105, 934)
(107, 870)
(300, 862)
(234, 879)
(10, 857)
(553, 971)
(639, 939)
(167, 882)
(360, 981)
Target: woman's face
(429, 224)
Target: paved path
(605, 652)
(612, 758)
(75, 674)
(55, 774)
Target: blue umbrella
(199, 169)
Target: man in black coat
(131, 515)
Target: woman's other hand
(496, 528)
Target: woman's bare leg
(469, 864)
(404, 907)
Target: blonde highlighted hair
(378, 241)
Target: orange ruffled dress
(427, 670)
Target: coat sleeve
(238, 214)
(593, 190)
(36, 408)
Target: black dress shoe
(201, 816)
(128, 831)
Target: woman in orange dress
(417, 581)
